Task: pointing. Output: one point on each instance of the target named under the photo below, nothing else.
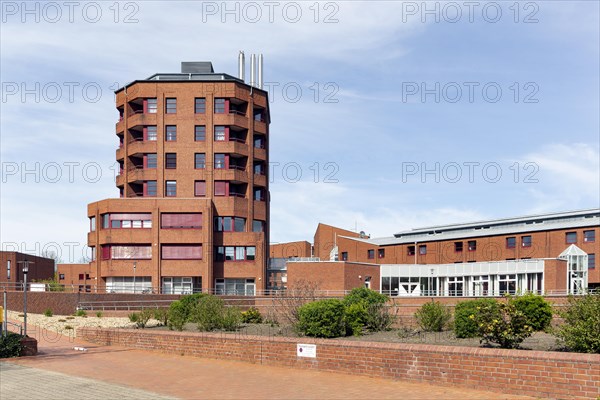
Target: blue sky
(379, 107)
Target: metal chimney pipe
(241, 66)
(260, 71)
(252, 70)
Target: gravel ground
(61, 323)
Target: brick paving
(187, 377)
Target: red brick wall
(290, 249)
(539, 374)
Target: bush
(324, 318)
(10, 345)
(99, 314)
(366, 310)
(161, 315)
(580, 331)
(433, 317)
(69, 327)
(80, 313)
(210, 314)
(48, 312)
(252, 316)
(177, 315)
(134, 317)
(464, 326)
(503, 324)
(231, 319)
(144, 317)
(537, 310)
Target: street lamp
(431, 284)
(25, 271)
(134, 267)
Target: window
(381, 253)
(422, 249)
(259, 194)
(181, 221)
(171, 106)
(526, 241)
(199, 160)
(92, 224)
(472, 245)
(181, 252)
(344, 256)
(507, 284)
(259, 168)
(221, 188)
(81, 276)
(220, 135)
(219, 161)
(511, 242)
(151, 161)
(220, 106)
(61, 277)
(8, 269)
(571, 237)
(151, 133)
(200, 188)
(258, 226)
(259, 142)
(200, 105)
(105, 218)
(200, 133)
(235, 253)
(150, 188)
(591, 261)
(371, 254)
(589, 236)
(410, 251)
(151, 105)
(171, 133)
(171, 188)
(230, 224)
(458, 247)
(129, 221)
(171, 160)
(455, 286)
(124, 252)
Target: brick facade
(40, 268)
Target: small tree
(504, 324)
(580, 331)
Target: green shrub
(252, 316)
(10, 345)
(580, 331)
(231, 319)
(190, 301)
(80, 313)
(464, 326)
(366, 310)
(208, 313)
(177, 315)
(70, 317)
(144, 317)
(537, 310)
(503, 324)
(48, 312)
(161, 315)
(324, 318)
(433, 317)
(69, 327)
(134, 317)
(99, 314)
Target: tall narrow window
(220, 161)
(258, 226)
(200, 133)
(171, 160)
(219, 106)
(200, 105)
(92, 224)
(151, 161)
(171, 188)
(8, 269)
(220, 134)
(221, 188)
(592, 261)
(171, 133)
(472, 245)
(200, 160)
(259, 194)
(200, 188)
(151, 105)
(410, 251)
(171, 106)
(381, 253)
(371, 254)
(151, 133)
(422, 249)
(150, 187)
(344, 256)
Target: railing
(237, 167)
(235, 139)
(238, 112)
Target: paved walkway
(112, 370)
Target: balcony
(235, 175)
(260, 180)
(231, 119)
(140, 173)
(260, 127)
(231, 205)
(231, 147)
(260, 154)
(120, 153)
(120, 126)
(141, 147)
(141, 119)
(260, 210)
(120, 179)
